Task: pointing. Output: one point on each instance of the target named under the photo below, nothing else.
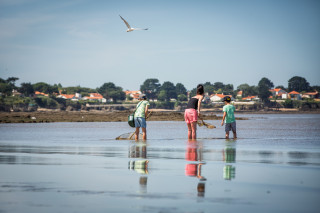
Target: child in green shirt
(228, 118)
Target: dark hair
(200, 89)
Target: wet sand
(274, 166)
(49, 116)
(84, 116)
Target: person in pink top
(193, 111)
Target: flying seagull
(130, 28)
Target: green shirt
(229, 109)
(140, 111)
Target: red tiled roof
(294, 93)
(249, 97)
(67, 96)
(132, 92)
(311, 93)
(136, 96)
(40, 93)
(96, 95)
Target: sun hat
(142, 96)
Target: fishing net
(131, 135)
(200, 122)
(128, 136)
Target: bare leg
(137, 133)
(194, 130)
(144, 133)
(234, 134)
(227, 135)
(189, 131)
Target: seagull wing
(128, 25)
(140, 28)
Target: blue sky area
(84, 42)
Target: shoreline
(48, 116)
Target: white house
(95, 96)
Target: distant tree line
(153, 89)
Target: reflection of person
(201, 189)
(140, 116)
(138, 150)
(228, 118)
(194, 170)
(194, 153)
(143, 184)
(193, 111)
(140, 166)
(229, 156)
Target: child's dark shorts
(231, 126)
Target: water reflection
(229, 156)
(139, 150)
(194, 152)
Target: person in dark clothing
(193, 111)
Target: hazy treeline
(152, 87)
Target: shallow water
(274, 166)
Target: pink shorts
(190, 115)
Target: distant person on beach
(193, 111)
(140, 116)
(228, 118)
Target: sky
(84, 42)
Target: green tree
(264, 86)
(6, 86)
(26, 89)
(281, 87)
(77, 89)
(110, 90)
(298, 84)
(315, 88)
(45, 88)
(11, 81)
(208, 88)
(168, 91)
(5, 89)
(193, 92)
(182, 97)
(180, 89)
(46, 102)
(247, 90)
(150, 87)
(218, 85)
(288, 103)
(162, 96)
(129, 98)
(228, 89)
